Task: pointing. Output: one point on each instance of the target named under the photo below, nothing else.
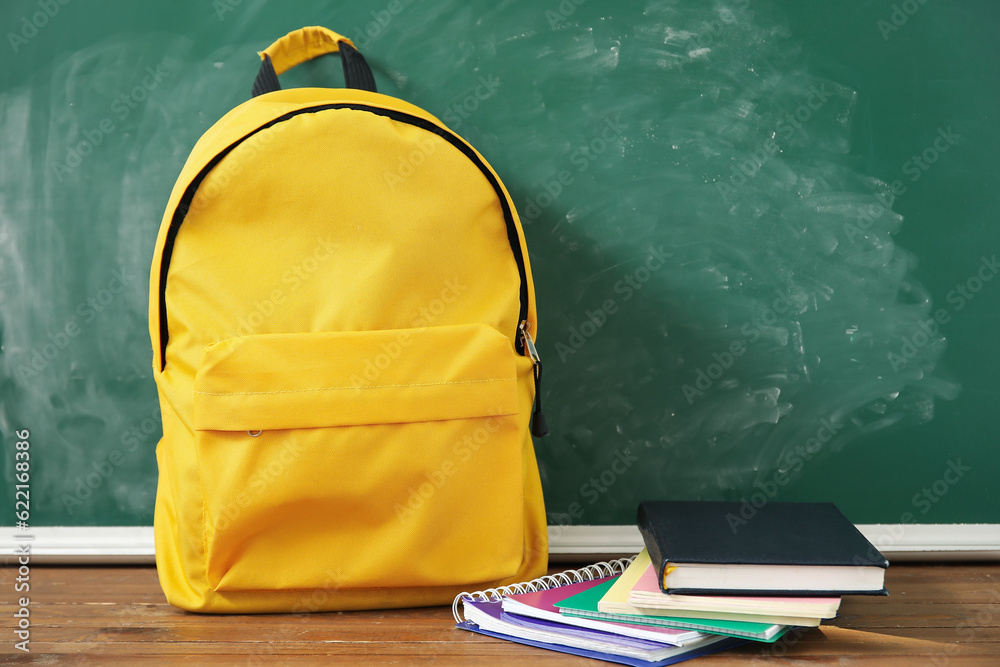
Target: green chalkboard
(763, 233)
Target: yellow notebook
(616, 599)
(619, 599)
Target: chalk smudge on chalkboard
(91, 145)
(771, 326)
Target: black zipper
(185, 203)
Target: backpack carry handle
(305, 44)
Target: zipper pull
(539, 428)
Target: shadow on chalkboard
(719, 290)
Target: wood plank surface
(943, 615)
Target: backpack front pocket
(372, 459)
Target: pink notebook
(542, 605)
(649, 585)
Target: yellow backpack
(341, 311)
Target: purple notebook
(582, 633)
(491, 612)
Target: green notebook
(585, 605)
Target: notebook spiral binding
(595, 571)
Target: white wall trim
(940, 541)
(134, 544)
(80, 544)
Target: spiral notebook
(591, 572)
(486, 613)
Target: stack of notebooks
(708, 580)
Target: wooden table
(937, 614)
